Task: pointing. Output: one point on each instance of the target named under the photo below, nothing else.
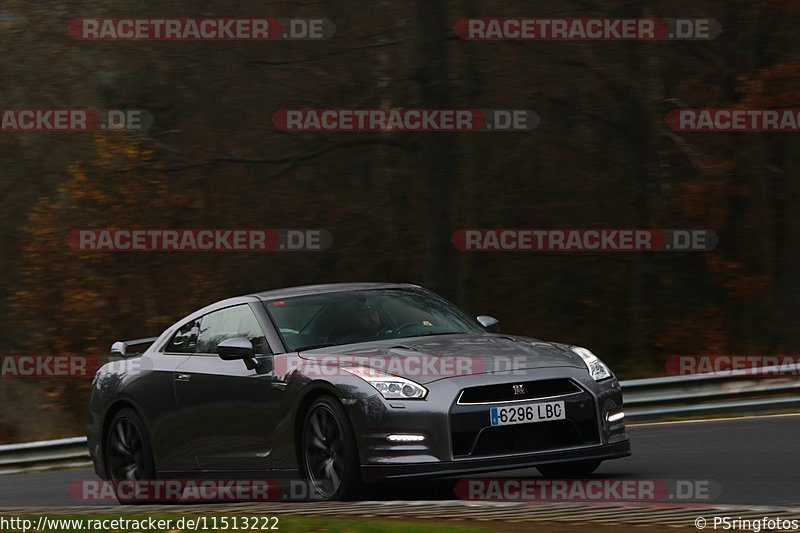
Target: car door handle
(183, 377)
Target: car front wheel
(330, 458)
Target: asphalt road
(749, 461)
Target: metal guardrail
(739, 392)
(43, 455)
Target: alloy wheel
(324, 451)
(126, 453)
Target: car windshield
(333, 319)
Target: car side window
(229, 323)
(185, 339)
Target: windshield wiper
(432, 333)
(314, 347)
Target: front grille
(505, 392)
(524, 438)
(527, 437)
(472, 434)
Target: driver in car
(363, 323)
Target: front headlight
(391, 387)
(597, 369)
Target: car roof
(329, 288)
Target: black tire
(128, 456)
(328, 453)
(569, 470)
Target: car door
(227, 411)
(170, 447)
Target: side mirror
(241, 348)
(238, 348)
(489, 323)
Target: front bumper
(476, 466)
(459, 439)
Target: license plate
(527, 413)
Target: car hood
(426, 359)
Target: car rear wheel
(330, 458)
(569, 470)
(127, 451)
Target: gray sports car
(345, 384)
